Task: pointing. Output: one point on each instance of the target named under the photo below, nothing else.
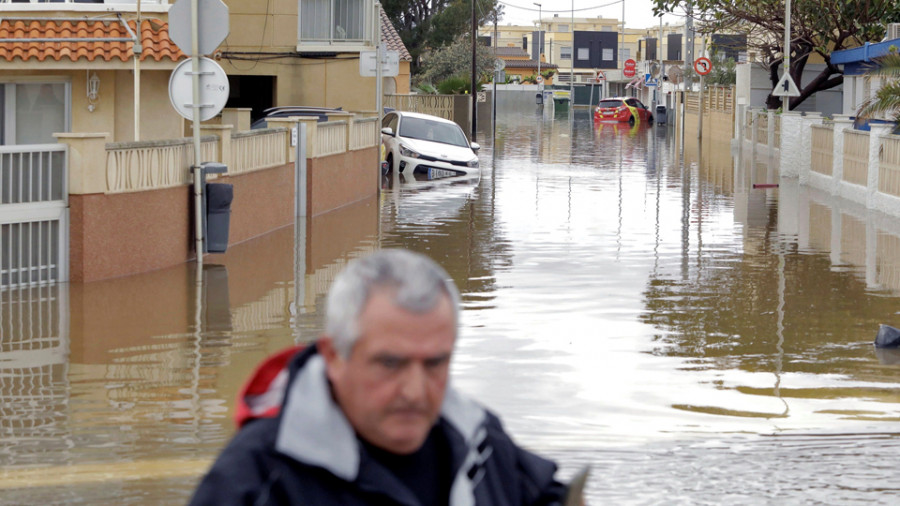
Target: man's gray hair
(416, 282)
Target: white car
(428, 145)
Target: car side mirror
(387, 131)
(475, 146)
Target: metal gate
(34, 215)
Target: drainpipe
(137, 49)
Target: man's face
(392, 385)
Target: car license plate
(439, 173)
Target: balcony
(336, 25)
(86, 6)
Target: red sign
(629, 68)
(702, 65)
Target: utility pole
(572, 62)
(494, 91)
(474, 96)
(786, 101)
(540, 47)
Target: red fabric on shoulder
(262, 383)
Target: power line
(531, 9)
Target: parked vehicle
(627, 109)
(321, 114)
(428, 145)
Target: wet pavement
(630, 301)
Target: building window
(607, 54)
(606, 28)
(565, 52)
(562, 28)
(584, 53)
(624, 54)
(335, 21)
(33, 111)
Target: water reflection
(123, 388)
(630, 300)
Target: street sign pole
(195, 122)
(786, 100)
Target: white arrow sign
(786, 87)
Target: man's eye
(390, 362)
(434, 363)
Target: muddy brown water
(630, 302)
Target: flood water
(630, 302)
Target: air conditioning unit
(893, 31)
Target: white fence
(258, 149)
(138, 166)
(33, 215)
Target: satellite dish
(675, 74)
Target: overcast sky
(638, 13)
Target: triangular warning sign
(786, 87)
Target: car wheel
(631, 120)
(650, 119)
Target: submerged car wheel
(631, 120)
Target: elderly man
(366, 417)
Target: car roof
(404, 114)
(299, 108)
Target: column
(791, 141)
(877, 130)
(841, 123)
(86, 161)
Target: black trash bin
(661, 115)
(218, 216)
(216, 203)
(539, 99)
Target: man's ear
(333, 360)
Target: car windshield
(429, 130)
(604, 104)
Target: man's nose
(413, 387)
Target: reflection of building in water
(34, 346)
(855, 237)
(146, 366)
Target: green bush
(456, 85)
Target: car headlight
(472, 163)
(405, 151)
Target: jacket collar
(313, 429)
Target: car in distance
(622, 109)
(428, 145)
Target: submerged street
(630, 302)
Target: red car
(622, 109)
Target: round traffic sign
(630, 66)
(702, 65)
(539, 79)
(213, 89)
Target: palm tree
(887, 99)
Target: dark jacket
(307, 452)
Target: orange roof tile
(391, 38)
(156, 43)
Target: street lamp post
(572, 62)
(540, 42)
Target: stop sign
(629, 69)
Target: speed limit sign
(539, 79)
